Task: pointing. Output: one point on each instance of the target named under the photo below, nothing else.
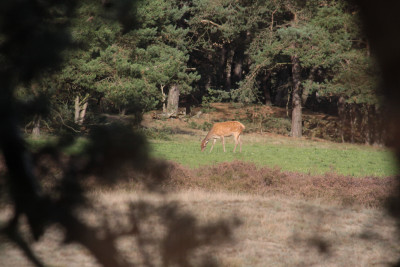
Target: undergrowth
(163, 133)
(242, 177)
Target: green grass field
(298, 156)
(285, 153)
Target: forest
(298, 55)
(104, 105)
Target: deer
(222, 130)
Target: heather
(247, 178)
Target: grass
(75, 147)
(297, 156)
(278, 228)
(288, 154)
(274, 231)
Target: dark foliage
(33, 36)
(380, 21)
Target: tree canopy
(247, 51)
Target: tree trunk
(265, 88)
(238, 64)
(238, 69)
(228, 69)
(83, 113)
(380, 125)
(353, 122)
(342, 115)
(208, 82)
(163, 99)
(36, 126)
(77, 110)
(239, 56)
(209, 73)
(80, 110)
(222, 66)
(366, 128)
(296, 99)
(173, 101)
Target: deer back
(227, 128)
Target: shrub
(277, 125)
(157, 134)
(206, 126)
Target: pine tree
(125, 68)
(310, 41)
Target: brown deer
(221, 130)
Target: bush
(277, 125)
(206, 126)
(158, 134)
(258, 121)
(215, 95)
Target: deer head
(204, 144)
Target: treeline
(141, 55)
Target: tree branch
(205, 21)
(11, 232)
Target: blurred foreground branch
(33, 35)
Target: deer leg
(236, 143)
(212, 146)
(240, 143)
(223, 142)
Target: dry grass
(244, 177)
(286, 219)
(274, 231)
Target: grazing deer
(222, 129)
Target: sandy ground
(274, 231)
